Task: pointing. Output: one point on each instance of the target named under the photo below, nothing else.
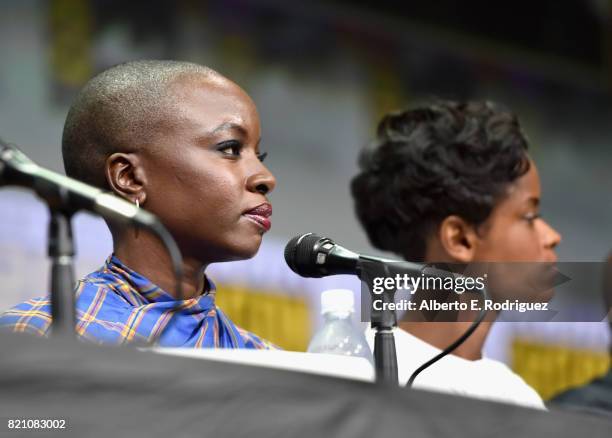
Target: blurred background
(321, 74)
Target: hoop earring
(136, 227)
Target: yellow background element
(552, 369)
(70, 33)
(278, 318)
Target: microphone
(66, 193)
(310, 255)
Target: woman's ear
(458, 238)
(126, 177)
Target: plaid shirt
(116, 305)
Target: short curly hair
(448, 158)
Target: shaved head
(123, 109)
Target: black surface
(121, 392)
(594, 397)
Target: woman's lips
(260, 215)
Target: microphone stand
(65, 196)
(383, 321)
(61, 253)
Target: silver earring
(136, 229)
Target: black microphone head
(301, 253)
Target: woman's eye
(532, 217)
(232, 148)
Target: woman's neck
(147, 256)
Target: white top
(484, 379)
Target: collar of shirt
(117, 305)
(139, 290)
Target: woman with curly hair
(453, 183)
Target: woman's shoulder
(30, 316)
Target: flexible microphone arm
(68, 194)
(64, 197)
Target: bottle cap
(337, 300)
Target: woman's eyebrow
(228, 126)
(534, 200)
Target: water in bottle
(339, 335)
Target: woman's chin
(246, 250)
(231, 251)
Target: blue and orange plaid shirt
(116, 305)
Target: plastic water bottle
(338, 334)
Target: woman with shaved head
(181, 141)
